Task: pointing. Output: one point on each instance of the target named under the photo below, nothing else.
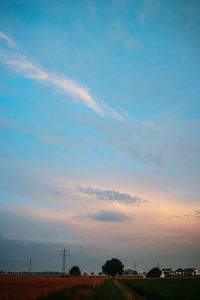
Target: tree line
(113, 268)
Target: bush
(154, 273)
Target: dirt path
(127, 293)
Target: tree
(113, 267)
(154, 273)
(75, 271)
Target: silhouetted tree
(75, 271)
(113, 267)
(154, 273)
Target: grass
(105, 291)
(166, 289)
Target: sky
(99, 130)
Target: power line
(14, 260)
(25, 260)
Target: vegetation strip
(128, 293)
(165, 289)
(107, 291)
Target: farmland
(97, 288)
(57, 288)
(166, 289)
(105, 291)
(31, 287)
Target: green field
(166, 289)
(107, 291)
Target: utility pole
(29, 265)
(64, 253)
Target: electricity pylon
(64, 253)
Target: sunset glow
(100, 123)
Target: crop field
(32, 287)
(97, 288)
(57, 288)
(166, 289)
(108, 290)
(105, 291)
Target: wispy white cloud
(92, 9)
(119, 34)
(60, 140)
(61, 84)
(150, 7)
(147, 157)
(7, 40)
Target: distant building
(197, 272)
(189, 272)
(144, 274)
(179, 272)
(130, 272)
(167, 272)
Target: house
(189, 272)
(144, 274)
(179, 272)
(167, 272)
(197, 272)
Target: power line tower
(64, 253)
(29, 264)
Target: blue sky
(99, 122)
